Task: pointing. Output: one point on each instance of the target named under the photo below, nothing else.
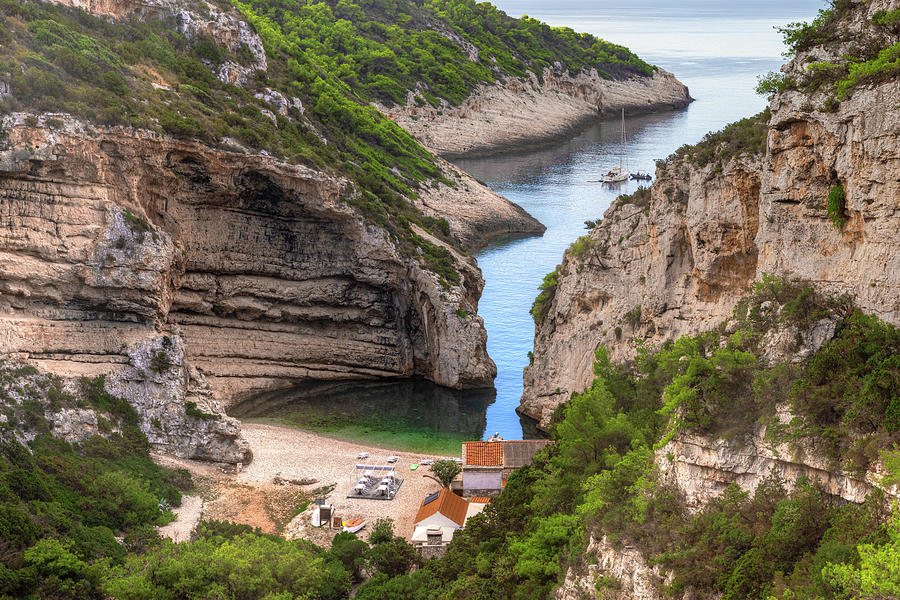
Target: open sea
(717, 48)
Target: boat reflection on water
(401, 406)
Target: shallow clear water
(716, 48)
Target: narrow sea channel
(716, 48)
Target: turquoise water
(716, 48)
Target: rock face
(677, 264)
(521, 112)
(111, 238)
(174, 405)
(178, 413)
(473, 211)
(670, 265)
(618, 574)
(703, 467)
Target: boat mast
(622, 152)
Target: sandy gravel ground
(294, 454)
(324, 464)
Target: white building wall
(482, 480)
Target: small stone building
(439, 516)
(482, 470)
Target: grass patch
(837, 206)
(547, 292)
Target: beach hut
(439, 516)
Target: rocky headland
(518, 113)
(258, 274)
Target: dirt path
(326, 467)
(188, 515)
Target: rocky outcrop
(520, 112)
(111, 238)
(702, 467)
(655, 268)
(174, 406)
(678, 263)
(616, 573)
(474, 213)
(178, 413)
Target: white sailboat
(620, 173)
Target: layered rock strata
(111, 237)
(520, 112)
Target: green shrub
(190, 408)
(823, 29)
(773, 83)
(747, 136)
(160, 361)
(883, 67)
(837, 206)
(887, 18)
(541, 304)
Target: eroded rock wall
(111, 237)
(672, 264)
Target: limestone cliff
(172, 403)
(258, 273)
(676, 262)
(520, 112)
(110, 237)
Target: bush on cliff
(547, 290)
(745, 137)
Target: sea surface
(717, 48)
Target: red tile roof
(448, 504)
(486, 454)
(480, 500)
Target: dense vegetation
(386, 48)
(62, 506)
(600, 479)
